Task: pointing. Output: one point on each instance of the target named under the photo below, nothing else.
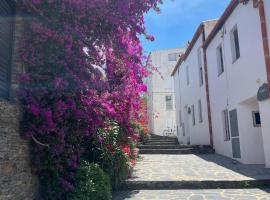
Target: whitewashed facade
(190, 92)
(237, 68)
(160, 102)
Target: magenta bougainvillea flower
(85, 67)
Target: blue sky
(178, 21)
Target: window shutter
(6, 43)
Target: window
(235, 44)
(200, 67)
(169, 104)
(172, 57)
(193, 115)
(200, 111)
(220, 61)
(187, 74)
(183, 129)
(256, 119)
(180, 118)
(226, 128)
(6, 41)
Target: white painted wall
(188, 95)
(238, 85)
(159, 86)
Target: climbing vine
(84, 70)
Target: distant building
(190, 91)
(161, 108)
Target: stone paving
(169, 176)
(230, 194)
(208, 167)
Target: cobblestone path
(205, 176)
(195, 168)
(229, 194)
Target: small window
(256, 119)
(180, 118)
(235, 44)
(226, 128)
(220, 61)
(200, 111)
(172, 57)
(193, 115)
(183, 129)
(200, 67)
(187, 75)
(169, 104)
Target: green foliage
(144, 135)
(91, 183)
(115, 161)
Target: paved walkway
(240, 194)
(211, 167)
(172, 173)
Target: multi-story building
(190, 91)
(238, 63)
(160, 103)
(228, 106)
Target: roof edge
(226, 14)
(196, 36)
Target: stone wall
(16, 179)
(17, 182)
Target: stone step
(163, 140)
(149, 146)
(162, 143)
(173, 185)
(176, 151)
(162, 137)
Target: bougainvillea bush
(84, 69)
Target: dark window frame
(12, 6)
(200, 111)
(255, 124)
(220, 60)
(193, 115)
(226, 125)
(169, 102)
(172, 57)
(235, 44)
(200, 66)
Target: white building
(161, 90)
(238, 61)
(190, 91)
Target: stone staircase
(169, 145)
